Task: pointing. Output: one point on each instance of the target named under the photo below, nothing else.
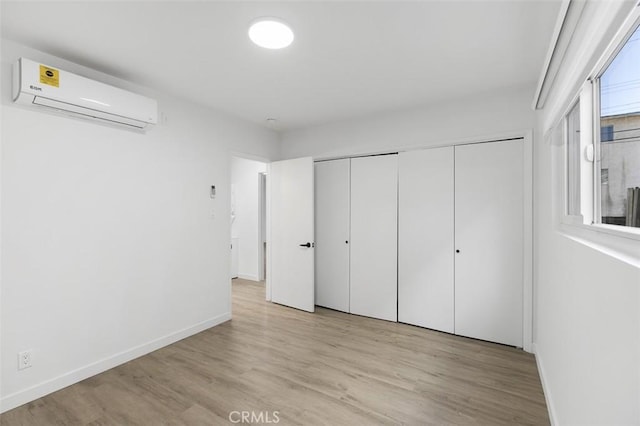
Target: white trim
(583, 103)
(586, 140)
(262, 227)
(564, 214)
(619, 231)
(527, 252)
(48, 386)
(607, 239)
(230, 240)
(577, 72)
(553, 418)
(554, 47)
(596, 165)
(562, 117)
(267, 287)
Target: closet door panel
(489, 236)
(332, 234)
(425, 238)
(374, 236)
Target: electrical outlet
(25, 358)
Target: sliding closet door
(374, 236)
(425, 238)
(332, 234)
(489, 238)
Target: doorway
(248, 219)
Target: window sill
(619, 231)
(616, 241)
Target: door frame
(267, 161)
(262, 224)
(267, 278)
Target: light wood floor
(325, 368)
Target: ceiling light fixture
(270, 33)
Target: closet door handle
(457, 251)
(307, 245)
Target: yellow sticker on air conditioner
(50, 76)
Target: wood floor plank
(326, 368)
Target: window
(601, 135)
(618, 87)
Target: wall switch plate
(25, 359)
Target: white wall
(244, 178)
(472, 119)
(111, 245)
(587, 315)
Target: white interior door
(425, 238)
(374, 237)
(332, 234)
(291, 244)
(489, 237)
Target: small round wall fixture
(270, 33)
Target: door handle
(307, 245)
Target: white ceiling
(348, 58)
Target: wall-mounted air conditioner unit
(50, 88)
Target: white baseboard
(545, 388)
(48, 386)
(248, 277)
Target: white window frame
(584, 98)
(567, 217)
(621, 241)
(616, 45)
